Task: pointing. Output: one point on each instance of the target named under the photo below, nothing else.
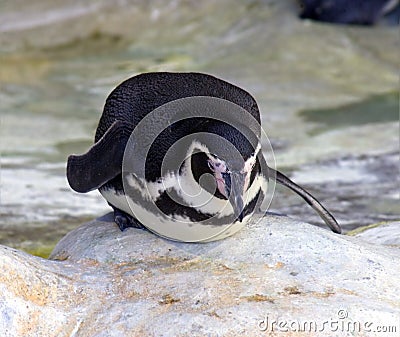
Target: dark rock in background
(358, 12)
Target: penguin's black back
(136, 97)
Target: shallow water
(328, 97)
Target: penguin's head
(223, 161)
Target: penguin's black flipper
(314, 203)
(103, 161)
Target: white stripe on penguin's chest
(192, 194)
(187, 188)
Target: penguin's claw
(125, 221)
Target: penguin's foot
(124, 220)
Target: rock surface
(385, 233)
(102, 282)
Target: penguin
(180, 154)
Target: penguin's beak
(234, 185)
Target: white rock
(386, 233)
(132, 283)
